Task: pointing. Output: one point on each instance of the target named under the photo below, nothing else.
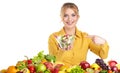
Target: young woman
(82, 41)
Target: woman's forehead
(69, 10)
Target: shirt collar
(77, 32)
(62, 31)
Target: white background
(25, 26)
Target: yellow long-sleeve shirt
(79, 50)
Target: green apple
(40, 68)
(90, 70)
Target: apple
(31, 68)
(58, 66)
(49, 66)
(56, 70)
(114, 68)
(84, 65)
(90, 70)
(112, 63)
(29, 61)
(40, 68)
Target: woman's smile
(70, 23)
(70, 18)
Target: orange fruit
(12, 69)
(3, 71)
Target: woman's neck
(70, 31)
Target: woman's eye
(65, 15)
(73, 15)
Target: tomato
(109, 71)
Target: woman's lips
(69, 23)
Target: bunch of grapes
(102, 64)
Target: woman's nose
(69, 18)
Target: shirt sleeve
(52, 46)
(100, 50)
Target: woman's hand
(65, 42)
(69, 47)
(97, 39)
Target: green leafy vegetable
(37, 59)
(77, 69)
(103, 71)
(21, 65)
(50, 58)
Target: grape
(102, 64)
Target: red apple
(58, 65)
(56, 70)
(84, 64)
(114, 68)
(31, 68)
(49, 66)
(112, 63)
(29, 61)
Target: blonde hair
(71, 6)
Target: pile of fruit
(42, 63)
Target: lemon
(95, 66)
(68, 69)
(61, 72)
(64, 67)
(26, 70)
(118, 65)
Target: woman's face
(70, 18)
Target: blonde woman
(82, 41)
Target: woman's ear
(78, 17)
